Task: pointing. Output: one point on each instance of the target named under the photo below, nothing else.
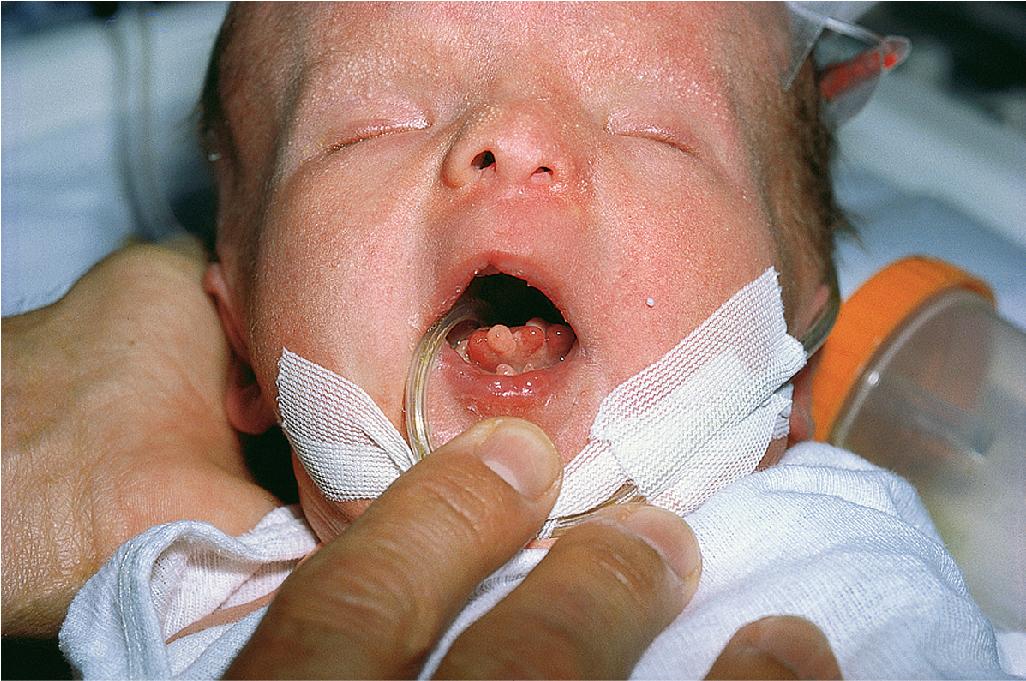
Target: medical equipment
(700, 417)
(426, 357)
(923, 170)
(432, 343)
(921, 376)
(848, 58)
(677, 431)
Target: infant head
(635, 164)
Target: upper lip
(453, 282)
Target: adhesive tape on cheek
(699, 418)
(342, 438)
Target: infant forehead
(285, 49)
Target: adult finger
(374, 601)
(591, 607)
(777, 648)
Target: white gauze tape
(697, 419)
(342, 438)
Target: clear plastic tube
(418, 428)
(418, 380)
(849, 59)
(433, 342)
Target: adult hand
(113, 421)
(374, 602)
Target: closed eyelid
(368, 129)
(659, 134)
(652, 131)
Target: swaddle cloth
(823, 535)
(165, 579)
(697, 419)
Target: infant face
(613, 157)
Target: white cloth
(168, 577)
(824, 535)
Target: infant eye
(658, 127)
(657, 134)
(369, 130)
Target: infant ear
(248, 409)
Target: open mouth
(503, 349)
(518, 329)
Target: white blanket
(824, 535)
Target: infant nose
(514, 147)
(486, 161)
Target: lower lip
(485, 394)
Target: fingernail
(797, 644)
(670, 537)
(521, 454)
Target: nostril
(542, 175)
(483, 160)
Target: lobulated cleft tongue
(514, 329)
(507, 351)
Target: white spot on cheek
(650, 302)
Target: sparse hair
(215, 135)
(816, 146)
